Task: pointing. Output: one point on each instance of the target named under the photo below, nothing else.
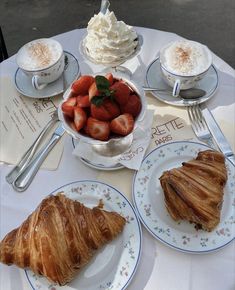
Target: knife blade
(218, 135)
(12, 175)
(23, 181)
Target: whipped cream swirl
(109, 41)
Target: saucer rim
(50, 95)
(90, 164)
(87, 162)
(185, 102)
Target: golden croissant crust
(194, 191)
(59, 238)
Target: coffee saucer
(154, 79)
(102, 162)
(24, 85)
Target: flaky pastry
(59, 238)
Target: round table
(160, 267)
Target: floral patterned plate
(115, 264)
(148, 198)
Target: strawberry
(100, 113)
(68, 106)
(93, 91)
(105, 112)
(79, 118)
(109, 77)
(122, 125)
(98, 129)
(112, 107)
(121, 92)
(83, 101)
(81, 86)
(133, 106)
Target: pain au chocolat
(194, 191)
(59, 238)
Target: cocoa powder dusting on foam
(41, 53)
(183, 54)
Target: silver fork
(199, 125)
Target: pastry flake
(59, 238)
(194, 191)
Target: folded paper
(22, 120)
(131, 158)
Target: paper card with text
(22, 119)
(169, 124)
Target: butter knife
(23, 181)
(12, 175)
(218, 135)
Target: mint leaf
(102, 83)
(98, 100)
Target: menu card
(22, 120)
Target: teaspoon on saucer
(184, 94)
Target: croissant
(194, 191)
(59, 238)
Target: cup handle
(35, 83)
(176, 88)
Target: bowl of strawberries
(103, 111)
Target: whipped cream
(108, 40)
(186, 58)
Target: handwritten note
(22, 119)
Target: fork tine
(193, 117)
(189, 109)
(199, 125)
(201, 117)
(198, 116)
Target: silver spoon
(104, 6)
(185, 94)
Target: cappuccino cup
(42, 60)
(183, 63)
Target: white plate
(24, 85)
(154, 79)
(115, 264)
(103, 162)
(148, 198)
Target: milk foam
(109, 40)
(186, 58)
(39, 54)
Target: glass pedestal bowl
(112, 67)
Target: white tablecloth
(161, 268)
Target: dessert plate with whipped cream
(155, 79)
(23, 83)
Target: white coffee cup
(42, 60)
(183, 63)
